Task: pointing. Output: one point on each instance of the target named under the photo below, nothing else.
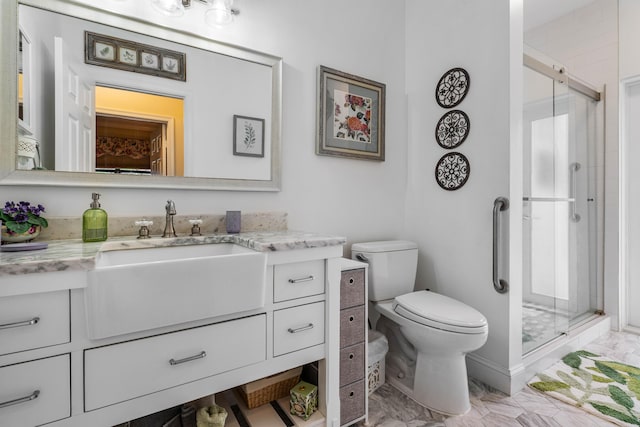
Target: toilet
(429, 334)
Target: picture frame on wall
(126, 55)
(248, 136)
(351, 116)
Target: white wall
(454, 228)
(358, 199)
(629, 155)
(585, 41)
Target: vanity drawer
(298, 327)
(297, 280)
(352, 326)
(34, 321)
(352, 288)
(36, 392)
(352, 364)
(120, 372)
(352, 401)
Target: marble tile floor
(492, 408)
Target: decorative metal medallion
(452, 171)
(452, 87)
(452, 129)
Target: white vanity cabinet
(34, 390)
(52, 373)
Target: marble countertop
(65, 255)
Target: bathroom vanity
(63, 363)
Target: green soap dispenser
(94, 222)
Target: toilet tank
(392, 267)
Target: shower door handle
(573, 172)
(500, 204)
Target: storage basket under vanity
(274, 387)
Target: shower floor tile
(539, 325)
(489, 407)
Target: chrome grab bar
(500, 204)
(31, 322)
(573, 171)
(200, 355)
(25, 399)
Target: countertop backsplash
(62, 228)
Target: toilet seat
(441, 312)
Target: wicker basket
(270, 388)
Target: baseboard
(511, 380)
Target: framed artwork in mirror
(248, 136)
(351, 116)
(128, 55)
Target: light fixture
(168, 7)
(218, 14)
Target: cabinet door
(120, 372)
(352, 288)
(298, 327)
(352, 326)
(352, 362)
(36, 392)
(33, 321)
(297, 280)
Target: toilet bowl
(429, 334)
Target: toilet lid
(439, 311)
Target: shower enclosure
(562, 267)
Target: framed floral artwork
(248, 136)
(127, 55)
(351, 116)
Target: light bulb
(220, 13)
(168, 7)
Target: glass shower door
(547, 202)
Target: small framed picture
(105, 51)
(149, 60)
(128, 55)
(248, 136)
(170, 64)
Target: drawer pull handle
(31, 322)
(25, 399)
(201, 355)
(351, 356)
(302, 279)
(300, 329)
(351, 281)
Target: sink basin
(140, 289)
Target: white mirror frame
(9, 175)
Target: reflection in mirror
(139, 133)
(70, 125)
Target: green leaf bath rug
(596, 384)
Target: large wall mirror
(106, 100)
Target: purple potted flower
(22, 218)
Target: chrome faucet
(169, 230)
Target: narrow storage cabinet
(353, 342)
(35, 392)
